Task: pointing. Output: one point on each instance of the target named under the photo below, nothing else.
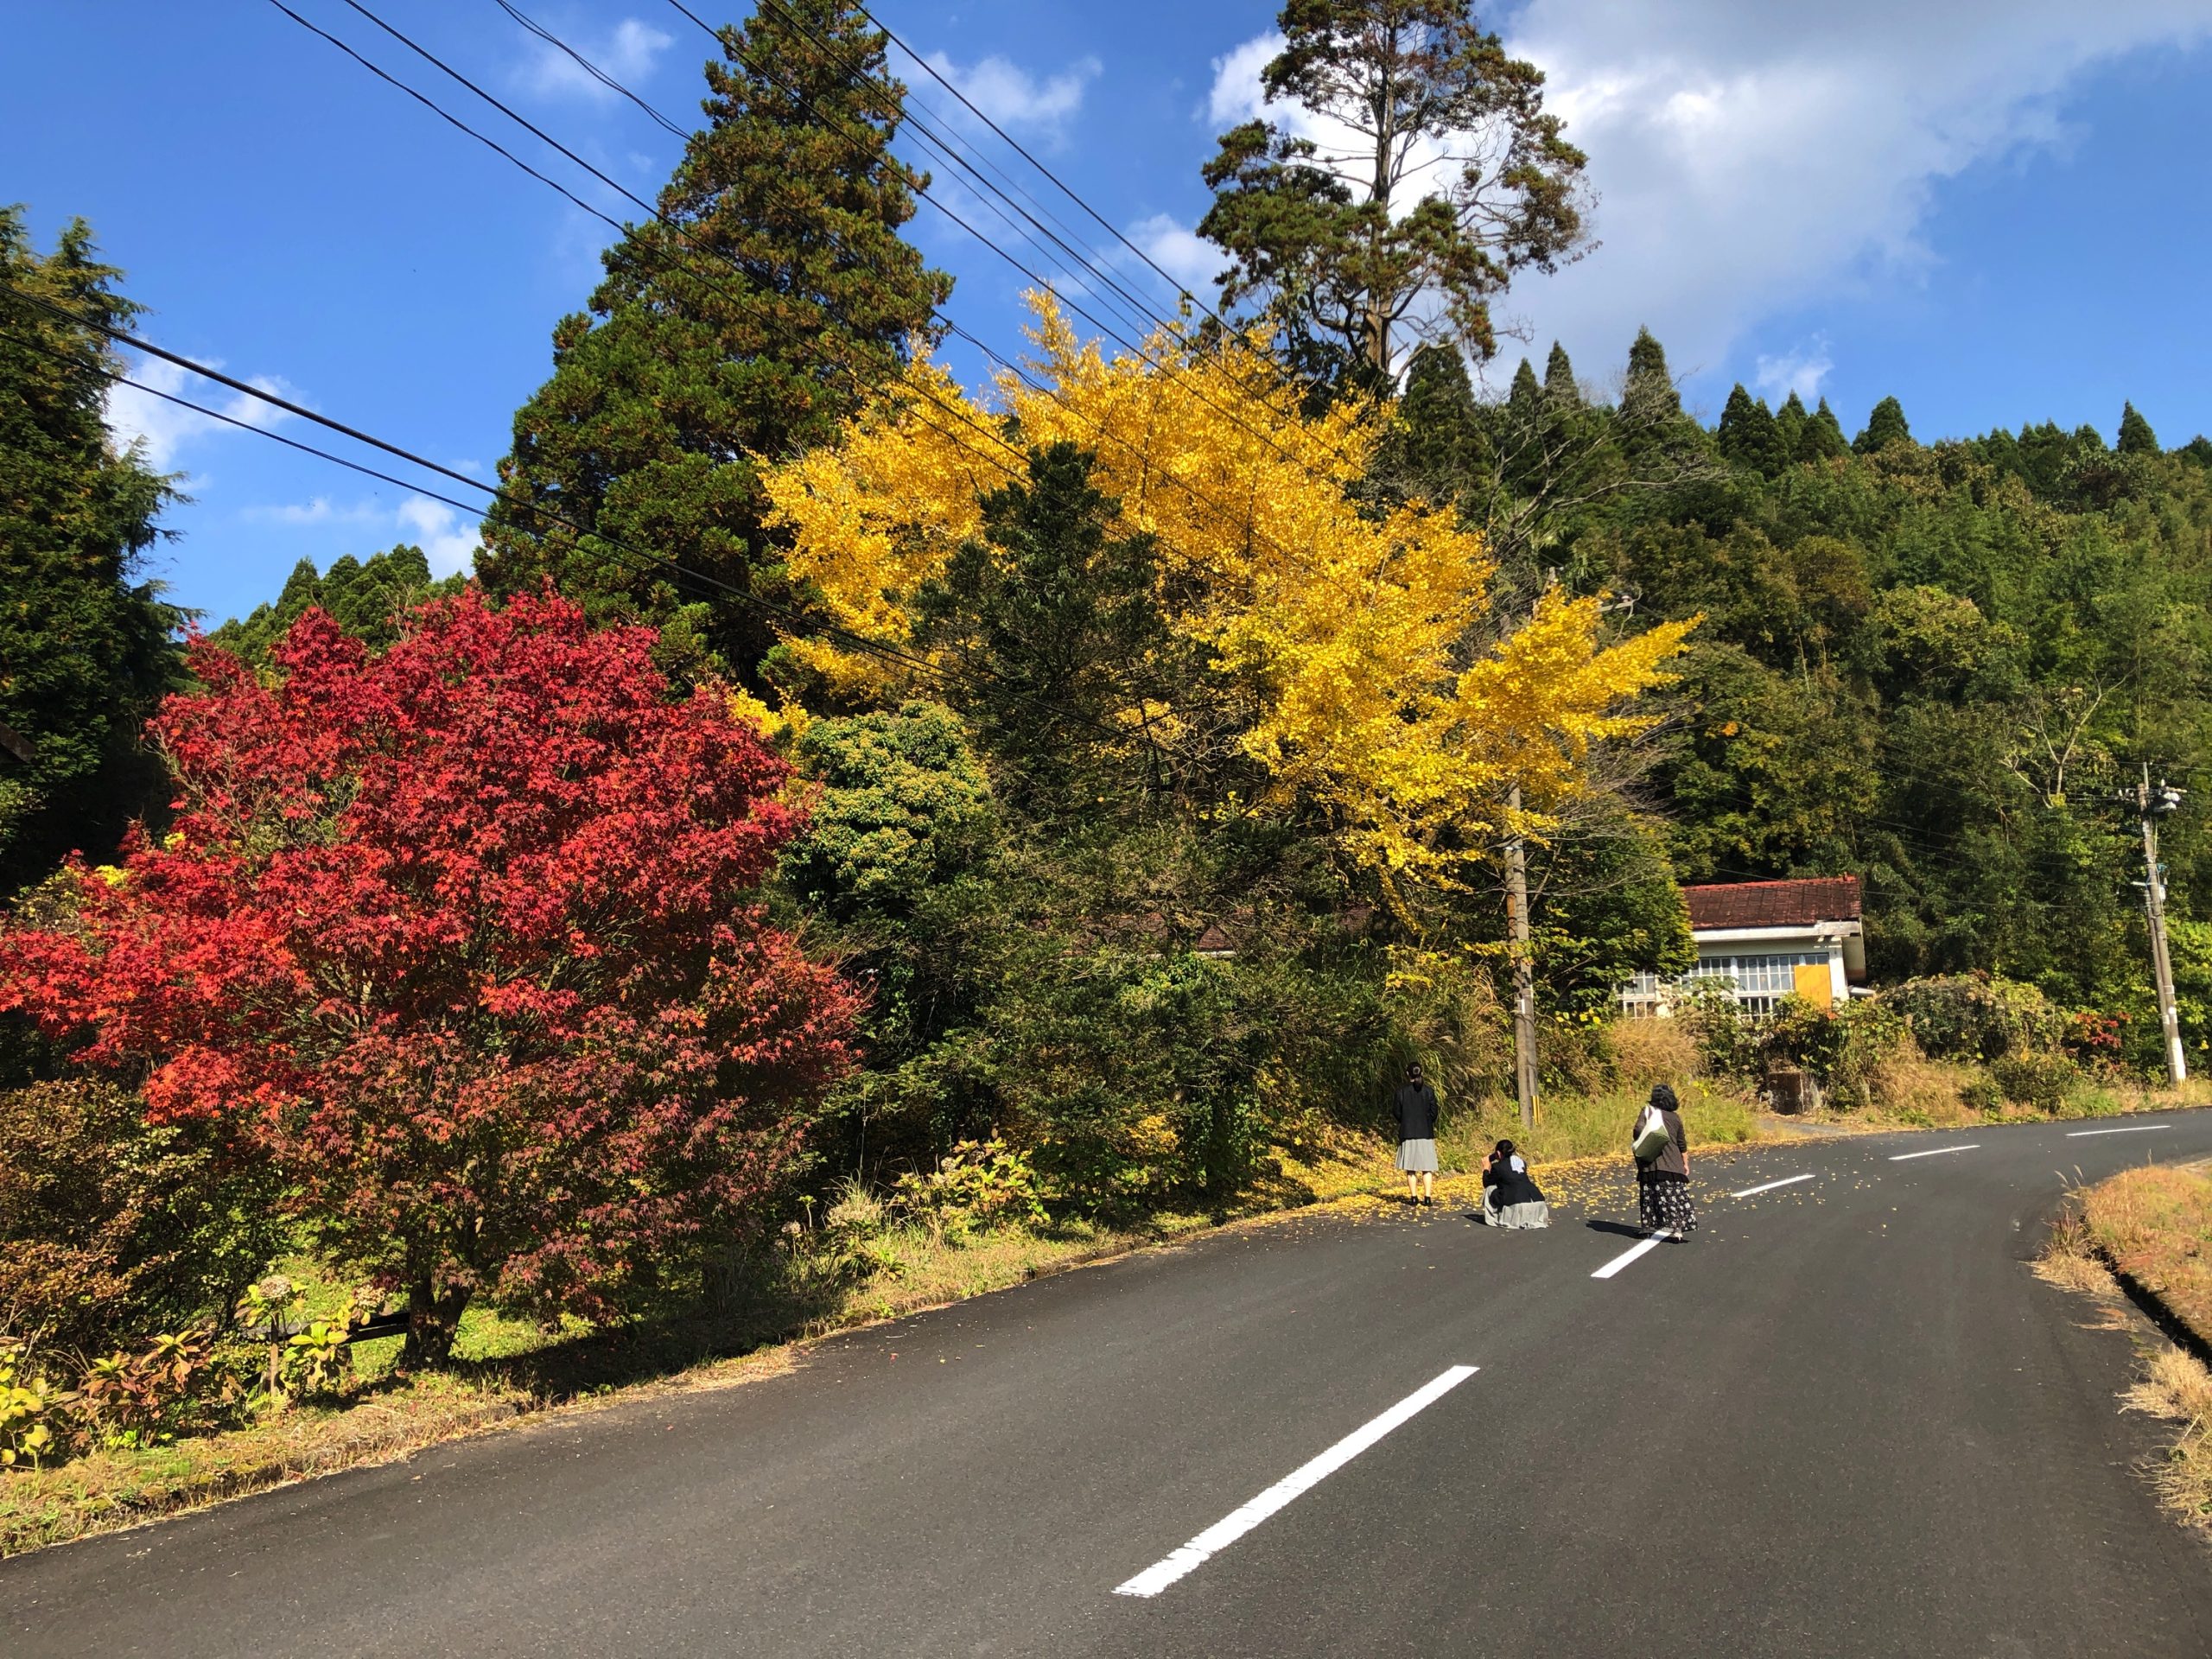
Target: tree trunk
(432, 1323)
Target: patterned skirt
(1664, 1201)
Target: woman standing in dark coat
(1663, 1180)
(1416, 1106)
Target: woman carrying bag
(1662, 1167)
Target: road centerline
(1633, 1253)
(1240, 1521)
(1935, 1151)
(2131, 1128)
(1787, 1180)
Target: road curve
(1843, 1419)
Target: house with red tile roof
(1766, 940)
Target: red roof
(1774, 904)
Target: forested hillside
(1931, 664)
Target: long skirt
(1664, 1201)
(1516, 1217)
(1415, 1157)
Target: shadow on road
(1619, 1230)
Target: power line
(895, 110)
(959, 411)
(653, 559)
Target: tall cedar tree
(1822, 438)
(1560, 390)
(84, 650)
(2136, 437)
(1452, 180)
(1062, 613)
(1748, 435)
(1885, 426)
(1436, 448)
(465, 939)
(767, 302)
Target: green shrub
(1976, 1017)
(1842, 1046)
(111, 1231)
(1982, 1093)
(2042, 1081)
(1728, 1042)
(976, 1186)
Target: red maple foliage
(466, 937)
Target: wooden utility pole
(1524, 968)
(2151, 805)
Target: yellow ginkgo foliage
(1350, 624)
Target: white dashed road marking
(1936, 1152)
(1632, 1253)
(2133, 1128)
(1227, 1530)
(1787, 1180)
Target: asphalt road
(1843, 1419)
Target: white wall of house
(1761, 964)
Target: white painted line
(1936, 1152)
(1632, 1253)
(2133, 1128)
(1753, 1191)
(1233, 1526)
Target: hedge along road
(1843, 1419)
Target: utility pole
(1524, 968)
(2152, 804)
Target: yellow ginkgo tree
(1351, 626)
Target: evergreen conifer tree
(1748, 436)
(1521, 440)
(1822, 438)
(1560, 390)
(2136, 437)
(1436, 448)
(1649, 394)
(85, 649)
(783, 298)
(1884, 427)
(1790, 424)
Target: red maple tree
(466, 937)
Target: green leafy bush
(976, 1185)
(1842, 1045)
(2042, 1082)
(111, 1229)
(1976, 1017)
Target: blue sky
(1991, 211)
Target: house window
(1759, 980)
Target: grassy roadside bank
(811, 1284)
(2154, 1225)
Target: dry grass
(1911, 1089)
(1653, 1051)
(2155, 1224)
(2177, 1387)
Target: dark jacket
(1670, 1165)
(1511, 1185)
(1416, 1112)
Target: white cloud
(1801, 371)
(164, 428)
(447, 542)
(1181, 252)
(1750, 157)
(628, 53)
(1010, 95)
(321, 510)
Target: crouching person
(1510, 1195)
